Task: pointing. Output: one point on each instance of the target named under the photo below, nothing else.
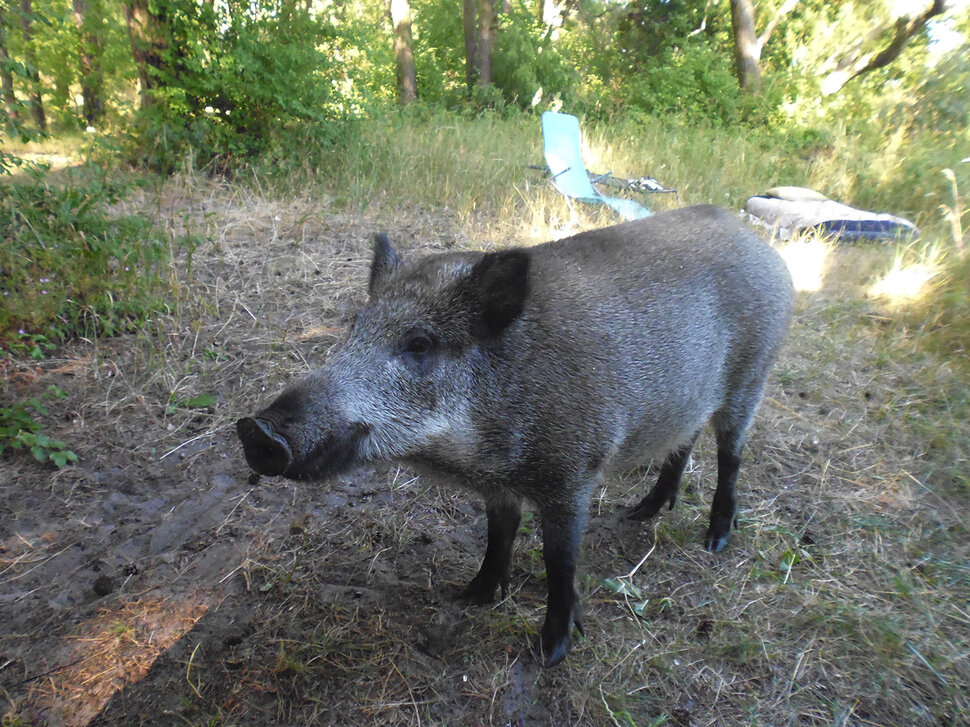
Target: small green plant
(121, 629)
(203, 401)
(12, 719)
(19, 429)
(34, 345)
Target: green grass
(476, 167)
(70, 266)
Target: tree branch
(850, 67)
(786, 8)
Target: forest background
(230, 82)
(868, 101)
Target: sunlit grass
(112, 650)
(905, 283)
(57, 152)
(806, 258)
(913, 270)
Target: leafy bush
(696, 83)
(20, 430)
(69, 267)
(527, 65)
(232, 78)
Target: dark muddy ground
(157, 582)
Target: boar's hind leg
(561, 532)
(665, 491)
(503, 516)
(725, 505)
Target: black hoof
(650, 506)
(718, 534)
(480, 593)
(472, 596)
(716, 543)
(551, 655)
(553, 643)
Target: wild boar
(529, 374)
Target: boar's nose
(266, 451)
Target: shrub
(233, 78)
(20, 430)
(69, 267)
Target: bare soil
(158, 582)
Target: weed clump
(70, 267)
(20, 430)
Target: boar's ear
(498, 284)
(383, 264)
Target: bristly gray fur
(529, 373)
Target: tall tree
(6, 72)
(469, 21)
(487, 26)
(747, 52)
(407, 83)
(30, 63)
(748, 44)
(89, 53)
(480, 25)
(148, 46)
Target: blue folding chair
(560, 136)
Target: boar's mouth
(270, 454)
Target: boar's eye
(417, 344)
(416, 348)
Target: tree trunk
(33, 77)
(486, 39)
(89, 55)
(747, 49)
(147, 47)
(487, 26)
(861, 62)
(407, 83)
(468, 20)
(6, 75)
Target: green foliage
(56, 45)
(203, 401)
(694, 83)
(528, 66)
(34, 345)
(439, 52)
(893, 132)
(232, 78)
(69, 266)
(19, 430)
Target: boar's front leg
(561, 532)
(504, 515)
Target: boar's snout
(266, 451)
